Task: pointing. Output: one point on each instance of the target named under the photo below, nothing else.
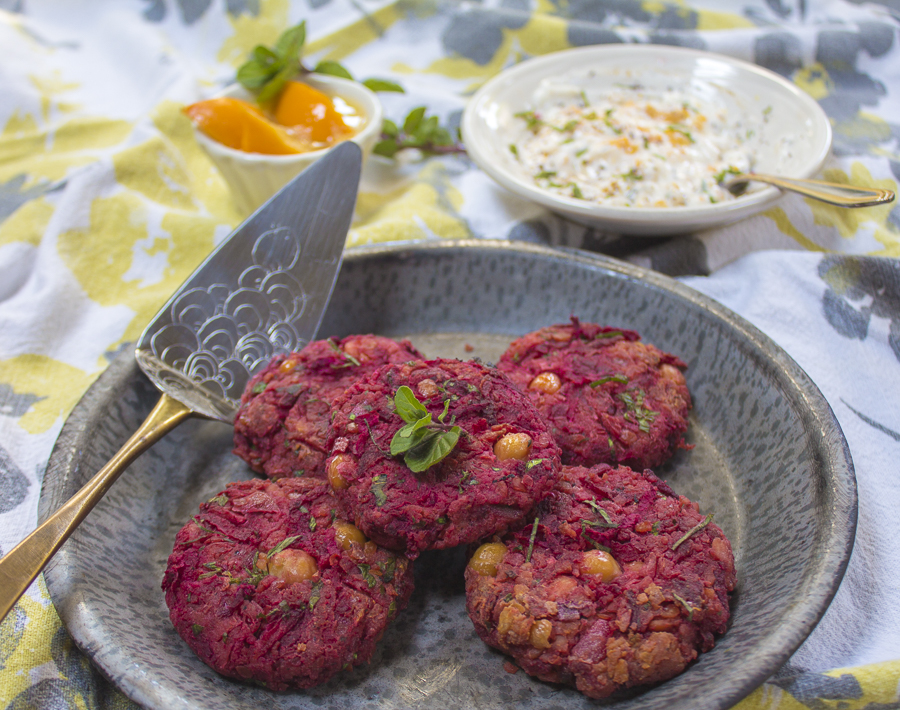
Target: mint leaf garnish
(410, 435)
(422, 442)
(410, 409)
(376, 85)
(432, 449)
(333, 69)
(267, 70)
(419, 131)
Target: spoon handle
(831, 192)
(25, 561)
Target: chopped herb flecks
(534, 529)
(315, 595)
(367, 575)
(621, 379)
(378, 483)
(693, 531)
(607, 522)
(350, 361)
(681, 130)
(585, 524)
(209, 531)
(607, 119)
(283, 544)
(568, 127)
(531, 120)
(636, 411)
(387, 569)
(722, 174)
(635, 142)
(689, 608)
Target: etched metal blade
(261, 292)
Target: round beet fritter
(503, 462)
(266, 585)
(281, 426)
(608, 397)
(620, 583)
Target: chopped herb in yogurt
(634, 148)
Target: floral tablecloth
(107, 203)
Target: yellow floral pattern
(113, 203)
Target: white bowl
(254, 177)
(744, 90)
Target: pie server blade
(261, 292)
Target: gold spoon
(831, 192)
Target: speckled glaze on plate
(769, 460)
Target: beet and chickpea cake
(281, 426)
(265, 584)
(432, 454)
(614, 582)
(609, 398)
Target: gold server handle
(26, 560)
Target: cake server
(262, 291)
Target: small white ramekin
(253, 177)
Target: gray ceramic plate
(769, 460)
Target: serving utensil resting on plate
(261, 292)
(769, 460)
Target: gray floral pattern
(13, 483)
(859, 289)
(842, 52)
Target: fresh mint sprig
(418, 131)
(422, 442)
(333, 68)
(269, 69)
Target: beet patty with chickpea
(282, 424)
(608, 397)
(432, 454)
(613, 582)
(267, 584)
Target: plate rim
(634, 221)
(832, 449)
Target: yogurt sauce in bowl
(631, 147)
(634, 139)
